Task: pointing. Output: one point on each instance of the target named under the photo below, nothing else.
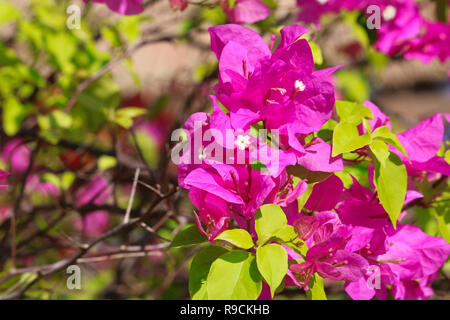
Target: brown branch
(60, 265)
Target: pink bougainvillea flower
(401, 26)
(330, 260)
(400, 21)
(213, 212)
(409, 264)
(124, 7)
(422, 143)
(435, 42)
(246, 11)
(281, 89)
(317, 157)
(325, 194)
(17, 154)
(312, 10)
(243, 188)
(94, 223)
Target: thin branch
(130, 201)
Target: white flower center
(202, 154)
(322, 1)
(299, 85)
(242, 141)
(389, 13)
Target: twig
(60, 265)
(133, 191)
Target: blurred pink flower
(178, 4)
(401, 21)
(435, 42)
(93, 223)
(96, 191)
(17, 154)
(5, 211)
(124, 7)
(44, 188)
(3, 175)
(247, 11)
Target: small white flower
(389, 13)
(242, 141)
(201, 154)
(322, 1)
(299, 85)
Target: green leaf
(64, 181)
(51, 178)
(13, 115)
(352, 112)
(383, 133)
(268, 221)
(237, 237)
(286, 234)
(380, 150)
(272, 261)
(67, 179)
(59, 119)
(442, 10)
(316, 52)
(447, 156)
(8, 12)
(106, 162)
(112, 36)
(354, 85)
(124, 116)
(215, 15)
(305, 195)
(187, 237)
(234, 276)
(390, 180)
(316, 290)
(199, 270)
(346, 138)
(129, 26)
(259, 166)
(345, 177)
(442, 216)
(231, 3)
(62, 47)
(149, 147)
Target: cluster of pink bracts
(347, 230)
(403, 30)
(243, 11)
